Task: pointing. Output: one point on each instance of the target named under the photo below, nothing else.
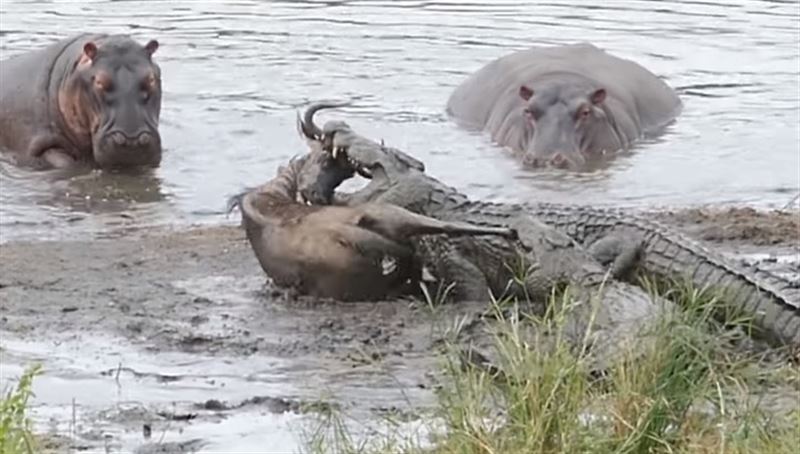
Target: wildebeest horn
(306, 125)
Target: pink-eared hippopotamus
(91, 99)
(562, 106)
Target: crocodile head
(375, 161)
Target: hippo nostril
(118, 138)
(531, 161)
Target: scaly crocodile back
(772, 303)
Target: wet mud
(763, 239)
(152, 335)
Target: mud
(153, 335)
(743, 225)
(178, 328)
(765, 239)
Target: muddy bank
(151, 323)
(175, 334)
(737, 225)
(766, 239)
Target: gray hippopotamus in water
(565, 105)
(93, 99)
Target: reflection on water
(236, 71)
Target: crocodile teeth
(337, 151)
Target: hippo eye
(584, 112)
(102, 85)
(531, 113)
(147, 87)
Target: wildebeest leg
(396, 222)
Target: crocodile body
(577, 243)
(528, 267)
(771, 301)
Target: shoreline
(176, 318)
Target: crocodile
(618, 240)
(339, 252)
(541, 263)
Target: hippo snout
(557, 160)
(120, 139)
(118, 149)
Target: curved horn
(306, 125)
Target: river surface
(235, 73)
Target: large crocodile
(613, 237)
(347, 253)
(529, 268)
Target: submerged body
(574, 243)
(564, 106)
(359, 253)
(88, 99)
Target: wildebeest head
(115, 94)
(319, 177)
(350, 152)
(568, 120)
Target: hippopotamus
(564, 106)
(88, 99)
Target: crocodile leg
(621, 255)
(450, 267)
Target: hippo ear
(598, 96)
(90, 50)
(151, 47)
(525, 92)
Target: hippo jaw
(562, 125)
(121, 90)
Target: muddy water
(176, 330)
(236, 71)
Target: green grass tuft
(689, 390)
(15, 427)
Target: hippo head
(568, 123)
(115, 94)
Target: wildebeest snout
(315, 195)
